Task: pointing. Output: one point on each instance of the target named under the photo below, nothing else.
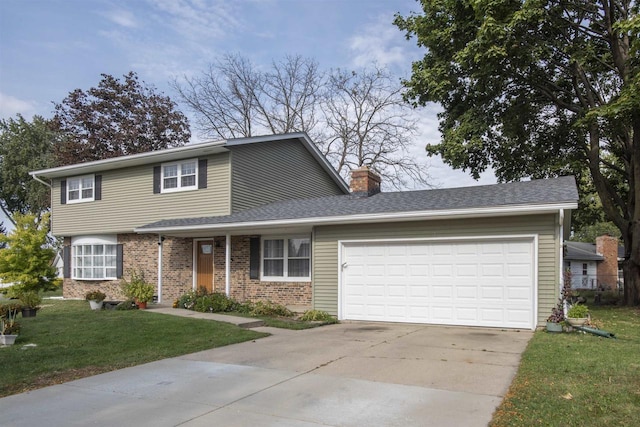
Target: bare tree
(370, 124)
(235, 99)
(355, 119)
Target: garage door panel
(466, 292)
(467, 270)
(492, 270)
(520, 294)
(492, 293)
(442, 270)
(442, 313)
(486, 283)
(442, 291)
(467, 314)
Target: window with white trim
(286, 258)
(180, 176)
(94, 258)
(80, 189)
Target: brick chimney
(607, 246)
(364, 182)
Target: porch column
(160, 240)
(227, 265)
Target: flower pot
(554, 327)
(8, 339)
(96, 305)
(141, 305)
(577, 321)
(29, 311)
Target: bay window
(94, 258)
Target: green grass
(279, 322)
(576, 379)
(73, 341)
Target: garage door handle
(344, 265)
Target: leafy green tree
(588, 233)
(538, 88)
(116, 118)
(24, 146)
(26, 261)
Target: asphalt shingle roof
(536, 192)
(581, 251)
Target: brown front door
(204, 265)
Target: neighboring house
(594, 266)
(58, 263)
(268, 218)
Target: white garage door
(474, 283)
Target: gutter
(34, 176)
(368, 218)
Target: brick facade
(607, 246)
(243, 288)
(140, 254)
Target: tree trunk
(632, 236)
(631, 266)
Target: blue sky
(50, 47)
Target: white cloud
(379, 42)
(121, 17)
(197, 20)
(10, 106)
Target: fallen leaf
(568, 396)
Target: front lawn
(578, 379)
(71, 341)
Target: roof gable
(187, 151)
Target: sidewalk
(243, 322)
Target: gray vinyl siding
(325, 249)
(128, 201)
(263, 173)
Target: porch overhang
(218, 226)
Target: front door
(204, 265)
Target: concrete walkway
(351, 374)
(243, 322)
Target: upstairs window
(180, 176)
(80, 189)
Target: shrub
(215, 303)
(95, 296)
(8, 315)
(268, 308)
(136, 288)
(30, 299)
(127, 305)
(318, 316)
(188, 300)
(578, 311)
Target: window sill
(177, 190)
(73, 202)
(285, 279)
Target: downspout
(561, 257)
(227, 265)
(160, 240)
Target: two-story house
(269, 218)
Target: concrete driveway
(352, 374)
